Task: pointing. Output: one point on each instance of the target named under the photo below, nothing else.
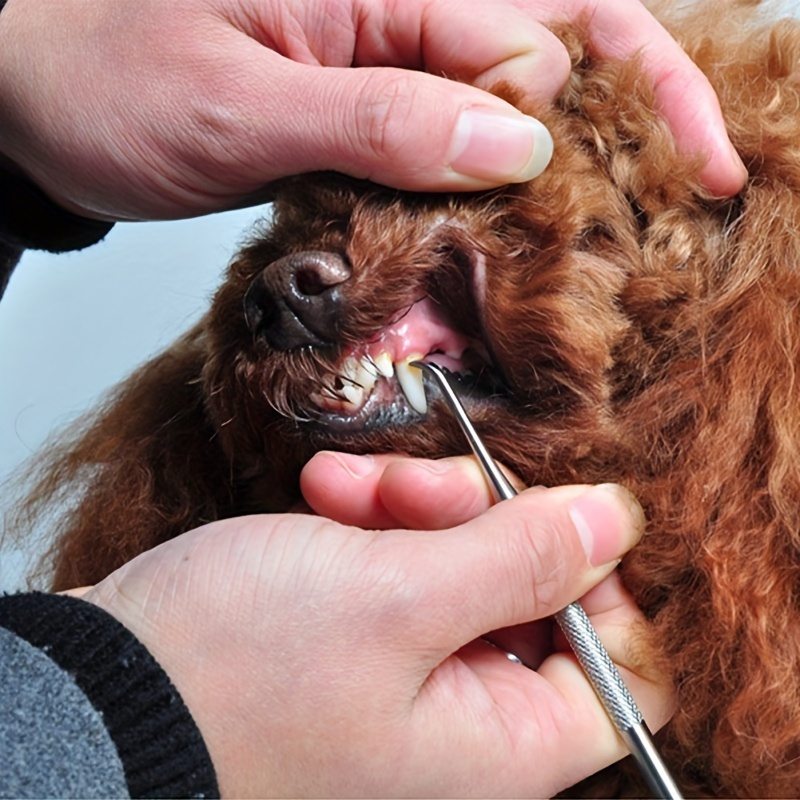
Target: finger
(556, 713)
(692, 110)
(484, 45)
(621, 627)
(523, 52)
(427, 494)
(685, 97)
(398, 127)
(395, 491)
(613, 613)
(531, 642)
(523, 559)
(344, 487)
(564, 710)
(388, 490)
(614, 616)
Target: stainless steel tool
(573, 621)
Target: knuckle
(387, 110)
(540, 551)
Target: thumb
(526, 558)
(397, 127)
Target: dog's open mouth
(374, 384)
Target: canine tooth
(383, 363)
(410, 380)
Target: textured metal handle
(598, 666)
(617, 700)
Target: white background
(73, 325)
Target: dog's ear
(143, 469)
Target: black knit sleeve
(161, 749)
(31, 220)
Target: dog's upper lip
(424, 330)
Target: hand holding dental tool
(573, 621)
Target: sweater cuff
(161, 749)
(29, 219)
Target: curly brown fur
(642, 331)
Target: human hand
(325, 660)
(147, 110)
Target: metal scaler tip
(576, 625)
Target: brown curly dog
(610, 321)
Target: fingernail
(609, 521)
(500, 147)
(356, 466)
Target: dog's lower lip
(387, 405)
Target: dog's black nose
(296, 300)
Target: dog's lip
(373, 384)
(387, 405)
(384, 406)
(373, 381)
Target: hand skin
(320, 659)
(152, 110)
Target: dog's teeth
(410, 380)
(366, 379)
(383, 363)
(368, 365)
(358, 373)
(350, 369)
(327, 390)
(353, 394)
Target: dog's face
(313, 332)
(608, 321)
(517, 293)
(524, 293)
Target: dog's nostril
(310, 282)
(296, 301)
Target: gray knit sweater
(53, 742)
